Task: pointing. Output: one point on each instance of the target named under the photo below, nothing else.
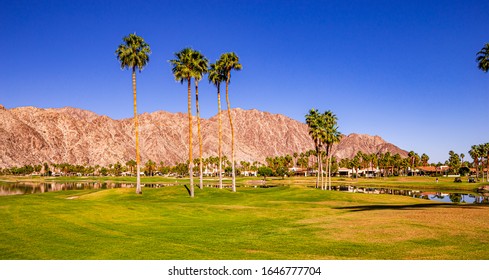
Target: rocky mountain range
(30, 135)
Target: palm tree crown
(133, 53)
(228, 62)
(483, 58)
(216, 75)
(183, 65)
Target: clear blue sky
(403, 70)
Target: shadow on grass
(408, 207)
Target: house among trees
(432, 170)
(249, 173)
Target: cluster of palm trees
(323, 129)
(390, 164)
(188, 64)
(478, 153)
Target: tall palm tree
(134, 54)
(331, 137)
(315, 123)
(216, 77)
(483, 58)
(228, 62)
(183, 70)
(200, 65)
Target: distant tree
(265, 171)
(131, 164)
(47, 172)
(282, 171)
(454, 162)
(181, 169)
(424, 159)
(483, 58)
(134, 54)
(117, 169)
(463, 171)
(150, 167)
(104, 171)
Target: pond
(433, 195)
(32, 188)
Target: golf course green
(284, 222)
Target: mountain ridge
(31, 135)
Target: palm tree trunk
(198, 132)
(317, 159)
(220, 134)
(232, 131)
(190, 159)
(329, 173)
(487, 170)
(136, 130)
(320, 167)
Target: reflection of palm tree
(455, 197)
(134, 54)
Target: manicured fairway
(276, 223)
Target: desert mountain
(30, 135)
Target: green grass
(276, 223)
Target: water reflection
(31, 188)
(428, 195)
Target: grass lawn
(276, 223)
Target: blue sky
(403, 70)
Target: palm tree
(131, 164)
(134, 54)
(483, 58)
(315, 123)
(150, 167)
(216, 77)
(228, 62)
(332, 136)
(183, 70)
(474, 154)
(424, 159)
(200, 68)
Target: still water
(32, 188)
(433, 195)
